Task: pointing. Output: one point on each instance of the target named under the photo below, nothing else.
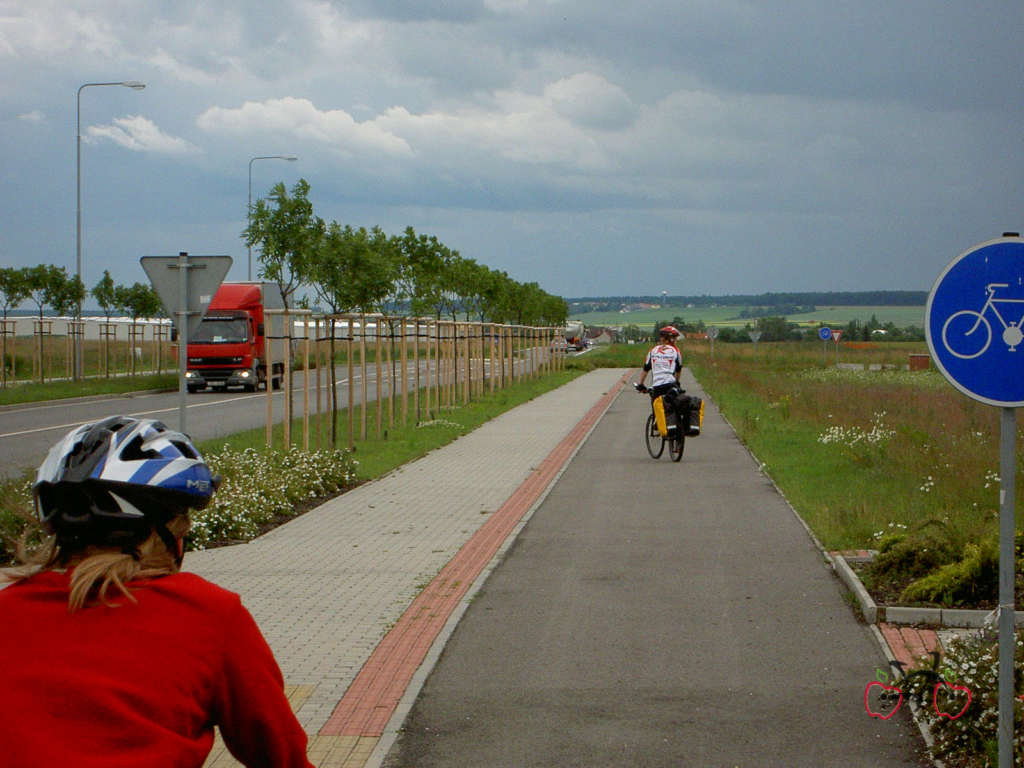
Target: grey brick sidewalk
(326, 587)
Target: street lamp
(135, 85)
(290, 159)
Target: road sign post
(713, 334)
(185, 285)
(754, 336)
(824, 334)
(837, 334)
(973, 322)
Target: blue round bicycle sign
(824, 334)
(974, 322)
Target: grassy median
(263, 488)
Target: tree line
(49, 286)
(770, 303)
(351, 269)
(778, 328)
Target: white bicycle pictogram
(967, 345)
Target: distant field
(723, 316)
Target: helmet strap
(174, 545)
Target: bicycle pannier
(658, 404)
(696, 416)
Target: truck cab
(229, 349)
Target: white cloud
(141, 134)
(335, 129)
(35, 116)
(519, 128)
(591, 101)
(46, 28)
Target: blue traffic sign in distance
(974, 319)
(824, 334)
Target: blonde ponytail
(97, 569)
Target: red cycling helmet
(670, 330)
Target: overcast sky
(596, 147)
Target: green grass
(724, 316)
(867, 457)
(901, 317)
(399, 444)
(57, 390)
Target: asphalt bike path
(656, 614)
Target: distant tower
(663, 295)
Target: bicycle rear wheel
(676, 444)
(655, 442)
(676, 439)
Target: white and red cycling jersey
(663, 361)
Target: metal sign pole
(182, 315)
(1007, 641)
(986, 367)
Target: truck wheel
(275, 382)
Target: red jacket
(141, 684)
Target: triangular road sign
(204, 275)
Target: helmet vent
(134, 451)
(186, 450)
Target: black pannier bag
(695, 416)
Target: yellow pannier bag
(659, 416)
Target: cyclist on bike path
(113, 657)
(665, 362)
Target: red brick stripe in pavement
(909, 644)
(374, 694)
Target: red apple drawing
(884, 687)
(951, 689)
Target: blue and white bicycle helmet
(113, 481)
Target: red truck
(229, 348)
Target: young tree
(495, 297)
(139, 300)
(13, 288)
(47, 286)
(352, 270)
(105, 293)
(422, 261)
(68, 294)
(288, 234)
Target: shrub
(971, 579)
(903, 556)
(16, 518)
(258, 490)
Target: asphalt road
(28, 431)
(657, 614)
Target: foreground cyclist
(113, 657)
(665, 362)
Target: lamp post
(290, 159)
(135, 85)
